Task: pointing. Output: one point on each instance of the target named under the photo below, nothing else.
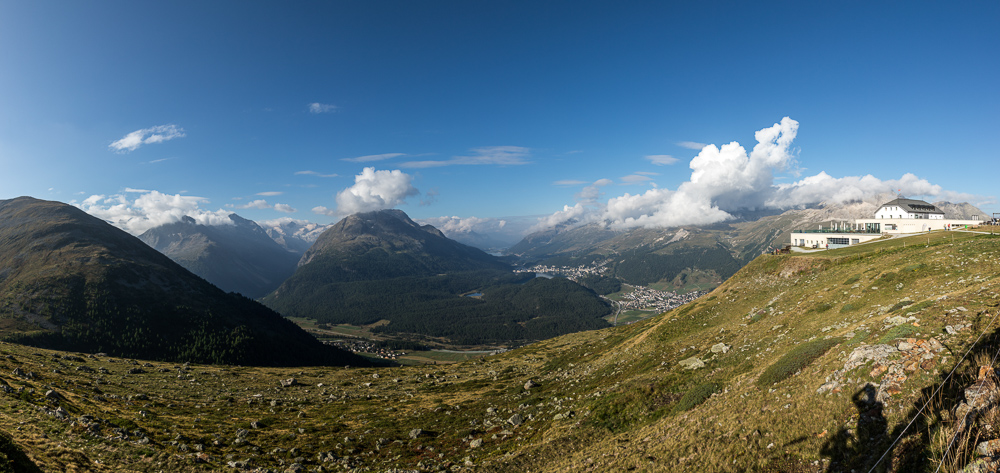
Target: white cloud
(262, 204)
(692, 145)
(661, 159)
(374, 190)
(321, 210)
(151, 209)
(636, 178)
(499, 155)
(285, 208)
(317, 107)
(727, 178)
(257, 204)
(373, 157)
(314, 173)
(453, 225)
(591, 193)
(145, 136)
(270, 193)
(568, 183)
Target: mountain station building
(899, 216)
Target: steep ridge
(71, 281)
(239, 257)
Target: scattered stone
(828, 386)
(531, 384)
(288, 382)
(416, 433)
(476, 443)
(515, 420)
(990, 448)
(720, 348)
(692, 363)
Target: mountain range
(238, 257)
(382, 267)
(73, 282)
(671, 256)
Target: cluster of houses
(644, 298)
(895, 217)
(570, 272)
(365, 346)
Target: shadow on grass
(869, 447)
(13, 459)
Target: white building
(909, 208)
(899, 216)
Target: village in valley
(632, 297)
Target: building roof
(913, 205)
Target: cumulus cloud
(453, 225)
(150, 209)
(661, 159)
(317, 107)
(313, 173)
(373, 157)
(373, 190)
(727, 179)
(499, 155)
(145, 136)
(284, 208)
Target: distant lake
(544, 275)
(474, 294)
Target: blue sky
(493, 109)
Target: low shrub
(619, 411)
(852, 279)
(900, 305)
(796, 359)
(848, 308)
(695, 396)
(823, 307)
(899, 331)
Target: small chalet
(909, 208)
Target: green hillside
(751, 377)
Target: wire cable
(917, 415)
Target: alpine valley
(874, 357)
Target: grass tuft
(796, 359)
(695, 396)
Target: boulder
(720, 348)
(692, 363)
